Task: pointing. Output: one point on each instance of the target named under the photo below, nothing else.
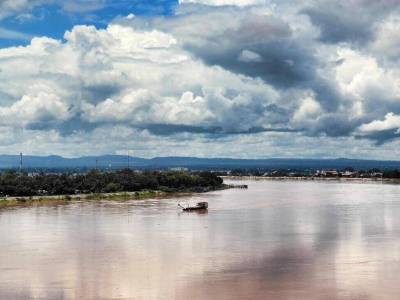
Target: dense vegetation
(15, 184)
(391, 174)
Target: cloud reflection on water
(278, 240)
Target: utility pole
(20, 163)
(129, 163)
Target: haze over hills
(120, 161)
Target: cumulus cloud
(264, 69)
(249, 57)
(390, 122)
(348, 21)
(381, 130)
(33, 110)
(387, 42)
(258, 45)
(124, 76)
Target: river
(276, 240)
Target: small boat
(199, 206)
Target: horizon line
(199, 157)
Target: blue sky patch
(53, 20)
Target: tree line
(95, 181)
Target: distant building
(349, 174)
(376, 175)
(328, 173)
(42, 192)
(179, 169)
(33, 174)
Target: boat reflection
(275, 241)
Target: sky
(207, 78)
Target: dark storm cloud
(339, 26)
(381, 137)
(258, 46)
(93, 93)
(170, 129)
(274, 55)
(348, 21)
(282, 62)
(336, 124)
(74, 125)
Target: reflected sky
(277, 240)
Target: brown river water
(276, 240)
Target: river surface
(276, 240)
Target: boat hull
(201, 206)
(194, 208)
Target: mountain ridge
(121, 161)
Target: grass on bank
(26, 201)
(22, 201)
(119, 196)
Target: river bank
(306, 178)
(119, 196)
(23, 189)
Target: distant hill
(119, 161)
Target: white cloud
(82, 6)
(12, 7)
(308, 111)
(224, 2)
(390, 122)
(370, 87)
(22, 8)
(32, 110)
(13, 35)
(249, 56)
(387, 41)
(122, 75)
(252, 68)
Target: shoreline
(305, 178)
(11, 202)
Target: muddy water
(277, 240)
